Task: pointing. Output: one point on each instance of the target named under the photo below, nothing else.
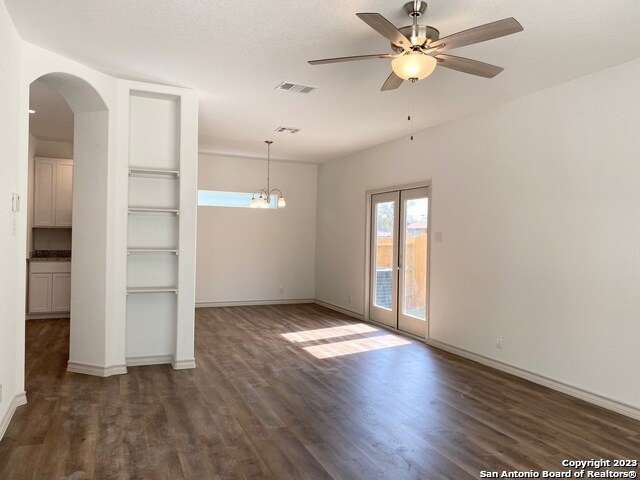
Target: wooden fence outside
(415, 263)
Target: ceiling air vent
(295, 87)
(287, 130)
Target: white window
(211, 198)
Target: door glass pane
(414, 258)
(383, 250)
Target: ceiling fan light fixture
(413, 65)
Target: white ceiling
(53, 119)
(235, 53)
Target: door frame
(368, 240)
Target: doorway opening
(49, 205)
(398, 276)
(66, 205)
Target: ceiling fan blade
(392, 82)
(479, 34)
(349, 59)
(466, 65)
(385, 28)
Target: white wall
(11, 244)
(54, 149)
(245, 255)
(538, 202)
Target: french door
(399, 259)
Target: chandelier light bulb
(281, 202)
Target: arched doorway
(89, 278)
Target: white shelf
(149, 210)
(145, 172)
(151, 251)
(152, 290)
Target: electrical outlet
(499, 341)
(281, 289)
(348, 298)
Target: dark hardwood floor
(295, 392)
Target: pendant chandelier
(264, 200)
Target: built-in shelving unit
(153, 226)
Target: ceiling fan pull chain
(410, 117)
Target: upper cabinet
(44, 198)
(53, 192)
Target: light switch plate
(15, 202)
(438, 237)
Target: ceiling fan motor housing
(425, 33)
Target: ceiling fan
(419, 48)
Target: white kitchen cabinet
(64, 192)
(53, 192)
(61, 292)
(40, 289)
(49, 287)
(44, 200)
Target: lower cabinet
(61, 292)
(40, 290)
(49, 291)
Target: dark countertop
(49, 259)
(50, 256)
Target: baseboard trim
(184, 364)
(17, 400)
(96, 370)
(338, 309)
(46, 316)
(571, 390)
(250, 303)
(140, 360)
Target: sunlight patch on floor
(349, 347)
(332, 332)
